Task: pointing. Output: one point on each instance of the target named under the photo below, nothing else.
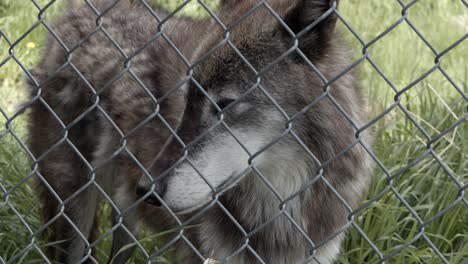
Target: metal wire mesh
(127, 71)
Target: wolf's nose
(151, 199)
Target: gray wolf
(266, 163)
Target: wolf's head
(230, 115)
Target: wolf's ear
(314, 21)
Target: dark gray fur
(127, 104)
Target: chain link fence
(414, 212)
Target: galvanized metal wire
(150, 253)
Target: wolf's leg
(76, 214)
(122, 243)
(67, 176)
(49, 205)
(82, 212)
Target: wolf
(244, 133)
(269, 158)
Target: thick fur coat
(267, 162)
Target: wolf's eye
(224, 102)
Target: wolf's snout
(143, 190)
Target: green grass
(401, 55)
(435, 105)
